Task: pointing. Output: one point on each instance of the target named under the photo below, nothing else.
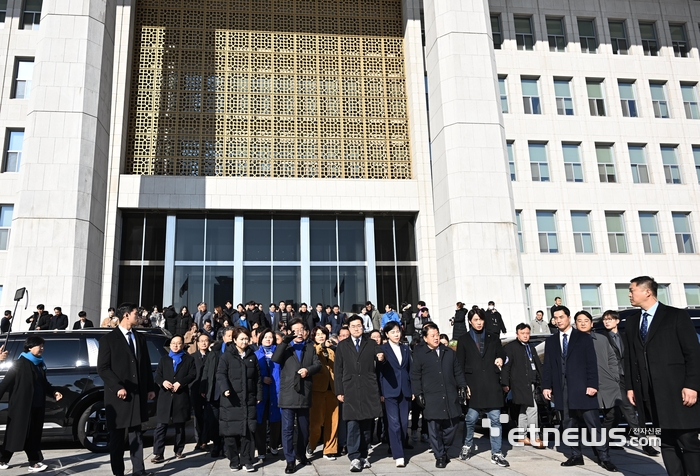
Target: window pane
(604, 154)
(384, 239)
(257, 284)
(555, 26)
(552, 291)
(662, 294)
(626, 90)
(351, 240)
(647, 30)
(62, 353)
(538, 152)
(586, 28)
(647, 221)
(595, 89)
(677, 32)
(688, 92)
(322, 240)
(16, 140)
(545, 222)
(189, 239)
(130, 283)
(220, 240)
(614, 223)
(323, 282)
(152, 286)
(522, 25)
(286, 285)
(408, 284)
(218, 285)
(637, 154)
(589, 295)
(617, 29)
(561, 88)
(571, 153)
(579, 222)
(657, 92)
(502, 86)
(132, 237)
(405, 239)
(187, 287)
(529, 87)
(25, 70)
(681, 223)
(622, 293)
(692, 294)
(286, 246)
(256, 240)
(668, 156)
(353, 288)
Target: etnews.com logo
(574, 436)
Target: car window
(62, 353)
(93, 347)
(14, 348)
(153, 352)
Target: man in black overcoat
(570, 378)
(439, 386)
(198, 401)
(357, 388)
(124, 365)
(662, 374)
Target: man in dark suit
(83, 321)
(274, 317)
(616, 338)
(198, 401)
(40, 320)
(570, 378)
(124, 365)
(662, 375)
(59, 321)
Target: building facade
(338, 151)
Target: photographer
(324, 405)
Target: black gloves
(421, 400)
(289, 338)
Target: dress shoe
(650, 451)
(539, 444)
(441, 462)
(157, 459)
(291, 467)
(525, 441)
(303, 461)
(343, 450)
(179, 455)
(573, 461)
(608, 466)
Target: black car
(599, 327)
(71, 362)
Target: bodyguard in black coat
(436, 378)
(40, 318)
(238, 377)
(662, 375)
(126, 371)
(198, 402)
(212, 392)
(174, 397)
(59, 321)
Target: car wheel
(92, 429)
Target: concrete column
(477, 255)
(57, 239)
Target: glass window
(384, 238)
(511, 161)
(581, 225)
(596, 101)
(129, 283)
(3, 10)
(132, 237)
(690, 101)
(403, 279)
(692, 294)
(587, 36)
(521, 245)
(663, 294)
(670, 160)
(627, 99)
(684, 236)
(219, 240)
(539, 167)
(547, 230)
(606, 163)
(650, 44)
(618, 37)
(638, 162)
(63, 354)
(524, 36)
(188, 286)
(617, 238)
(218, 285)
(562, 91)
(31, 15)
(679, 40)
(552, 291)
(285, 240)
(5, 224)
(405, 238)
(351, 240)
(286, 283)
(504, 94)
(696, 158)
(257, 240)
(650, 232)
(152, 287)
(658, 100)
(527, 300)
(154, 352)
(531, 96)
(13, 154)
(322, 240)
(324, 280)
(556, 35)
(496, 31)
(623, 296)
(572, 162)
(352, 293)
(189, 239)
(24, 70)
(590, 298)
(257, 284)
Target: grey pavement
(67, 458)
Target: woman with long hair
(459, 321)
(267, 410)
(238, 376)
(324, 404)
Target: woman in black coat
(176, 371)
(184, 322)
(459, 321)
(26, 382)
(238, 376)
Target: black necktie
(131, 343)
(357, 344)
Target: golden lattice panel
(269, 88)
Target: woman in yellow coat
(324, 404)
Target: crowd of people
(289, 380)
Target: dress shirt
(651, 311)
(133, 339)
(568, 338)
(397, 351)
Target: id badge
(532, 364)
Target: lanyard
(529, 352)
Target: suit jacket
(659, 369)
(517, 372)
(581, 371)
(118, 368)
(356, 378)
(59, 322)
(438, 378)
(608, 372)
(88, 323)
(395, 378)
(480, 372)
(620, 356)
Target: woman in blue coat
(267, 409)
(395, 387)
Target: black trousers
(612, 416)
(159, 438)
(342, 428)
(380, 426)
(261, 432)
(591, 420)
(680, 450)
(211, 424)
(416, 413)
(32, 440)
(442, 435)
(198, 404)
(116, 449)
(359, 434)
(240, 449)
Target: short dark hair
(558, 297)
(124, 309)
(389, 326)
(240, 330)
(8, 312)
(647, 282)
(584, 313)
(200, 335)
(391, 306)
(40, 307)
(368, 303)
(421, 303)
(207, 320)
(343, 328)
(82, 314)
(319, 328)
(58, 308)
(335, 305)
(561, 308)
(177, 335)
(611, 313)
(490, 303)
(539, 311)
(319, 304)
(424, 309)
(476, 311)
(303, 304)
(522, 326)
(375, 330)
(354, 318)
(272, 304)
(444, 336)
(427, 327)
(33, 341)
(109, 309)
(298, 321)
